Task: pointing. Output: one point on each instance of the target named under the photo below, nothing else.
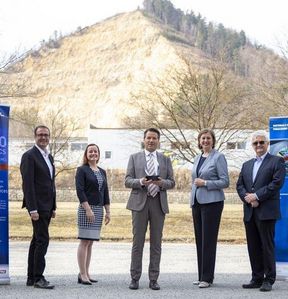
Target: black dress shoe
(134, 284)
(252, 285)
(154, 285)
(86, 282)
(93, 280)
(43, 284)
(30, 282)
(266, 286)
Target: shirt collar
(43, 152)
(261, 158)
(147, 153)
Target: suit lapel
(161, 164)
(250, 170)
(264, 162)
(142, 162)
(43, 162)
(206, 162)
(52, 163)
(196, 162)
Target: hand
(107, 218)
(255, 204)
(90, 216)
(199, 182)
(146, 182)
(53, 214)
(34, 216)
(250, 197)
(158, 182)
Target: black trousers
(261, 248)
(38, 246)
(206, 219)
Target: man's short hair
(260, 133)
(152, 130)
(41, 127)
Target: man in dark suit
(258, 186)
(38, 183)
(148, 203)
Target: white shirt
(45, 154)
(256, 167)
(257, 164)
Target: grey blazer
(215, 172)
(136, 171)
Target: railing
(121, 196)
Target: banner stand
(4, 201)
(279, 147)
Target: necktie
(152, 188)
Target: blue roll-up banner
(4, 221)
(279, 146)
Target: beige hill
(94, 71)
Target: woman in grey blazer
(209, 177)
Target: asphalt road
(110, 265)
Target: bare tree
(63, 130)
(272, 85)
(10, 68)
(192, 98)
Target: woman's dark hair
(205, 131)
(85, 159)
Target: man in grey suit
(149, 175)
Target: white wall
(124, 142)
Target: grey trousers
(153, 214)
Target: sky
(24, 23)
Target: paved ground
(110, 265)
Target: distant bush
(174, 37)
(116, 178)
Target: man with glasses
(38, 183)
(258, 186)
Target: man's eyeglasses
(43, 135)
(258, 142)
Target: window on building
(78, 146)
(60, 145)
(180, 145)
(236, 145)
(231, 145)
(241, 145)
(108, 154)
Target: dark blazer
(87, 186)
(37, 184)
(267, 184)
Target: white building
(116, 145)
(73, 151)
